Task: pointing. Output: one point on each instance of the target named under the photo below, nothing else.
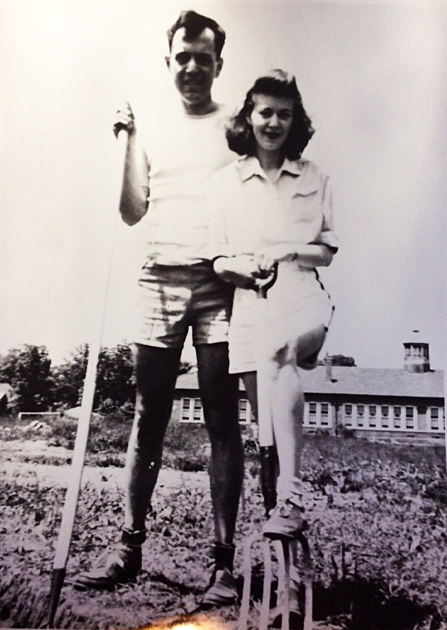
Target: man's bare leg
(219, 392)
(156, 371)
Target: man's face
(194, 66)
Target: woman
(272, 207)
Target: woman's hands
(277, 253)
(244, 271)
(237, 270)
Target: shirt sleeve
(143, 172)
(327, 235)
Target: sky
(373, 80)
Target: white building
(379, 403)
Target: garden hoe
(74, 483)
(284, 550)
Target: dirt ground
(126, 605)
(364, 579)
(49, 475)
(161, 596)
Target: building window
(434, 418)
(324, 414)
(198, 413)
(313, 413)
(385, 411)
(191, 410)
(397, 417)
(409, 418)
(360, 415)
(348, 415)
(372, 416)
(245, 413)
(185, 409)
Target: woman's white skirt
(296, 304)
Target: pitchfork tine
(267, 586)
(245, 603)
(284, 552)
(308, 591)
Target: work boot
(121, 567)
(221, 590)
(286, 522)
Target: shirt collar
(249, 166)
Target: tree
(28, 370)
(114, 378)
(68, 378)
(337, 359)
(115, 386)
(185, 367)
(340, 359)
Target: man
(178, 290)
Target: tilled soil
(344, 539)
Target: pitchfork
(285, 550)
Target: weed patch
(378, 534)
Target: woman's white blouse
(249, 211)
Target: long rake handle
(74, 484)
(77, 465)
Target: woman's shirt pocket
(304, 215)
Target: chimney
(417, 356)
(328, 364)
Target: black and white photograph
(223, 339)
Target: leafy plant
(28, 370)
(378, 534)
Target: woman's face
(271, 120)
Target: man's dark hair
(194, 24)
(239, 133)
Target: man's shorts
(170, 299)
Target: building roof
(359, 381)
(5, 388)
(7, 394)
(188, 380)
(375, 382)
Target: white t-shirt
(183, 152)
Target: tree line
(40, 386)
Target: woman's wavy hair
(276, 82)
